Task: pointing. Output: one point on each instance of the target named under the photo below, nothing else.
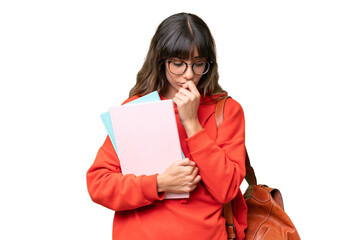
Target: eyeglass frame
(192, 67)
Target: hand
(187, 101)
(180, 177)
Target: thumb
(186, 162)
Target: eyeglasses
(178, 67)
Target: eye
(177, 63)
(199, 64)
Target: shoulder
(130, 99)
(233, 104)
(232, 107)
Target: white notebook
(147, 138)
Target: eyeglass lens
(179, 67)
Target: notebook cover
(106, 119)
(147, 138)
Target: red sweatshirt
(142, 212)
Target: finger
(192, 87)
(177, 101)
(187, 91)
(184, 90)
(197, 179)
(194, 172)
(182, 97)
(192, 187)
(186, 95)
(194, 183)
(186, 162)
(189, 170)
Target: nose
(188, 74)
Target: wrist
(192, 127)
(160, 183)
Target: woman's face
(176, 81)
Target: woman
(181, 65)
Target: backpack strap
(250, 174)
(219, 118)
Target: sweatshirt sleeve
(108, 187)
(221, 163)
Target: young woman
(181, 65)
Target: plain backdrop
(292, 65)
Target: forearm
(108, 187)
(216, 166)
(221, 159)
(119, 192)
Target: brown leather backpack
(266, 217)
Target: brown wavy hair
(176, 36)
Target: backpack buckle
(230, 228)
